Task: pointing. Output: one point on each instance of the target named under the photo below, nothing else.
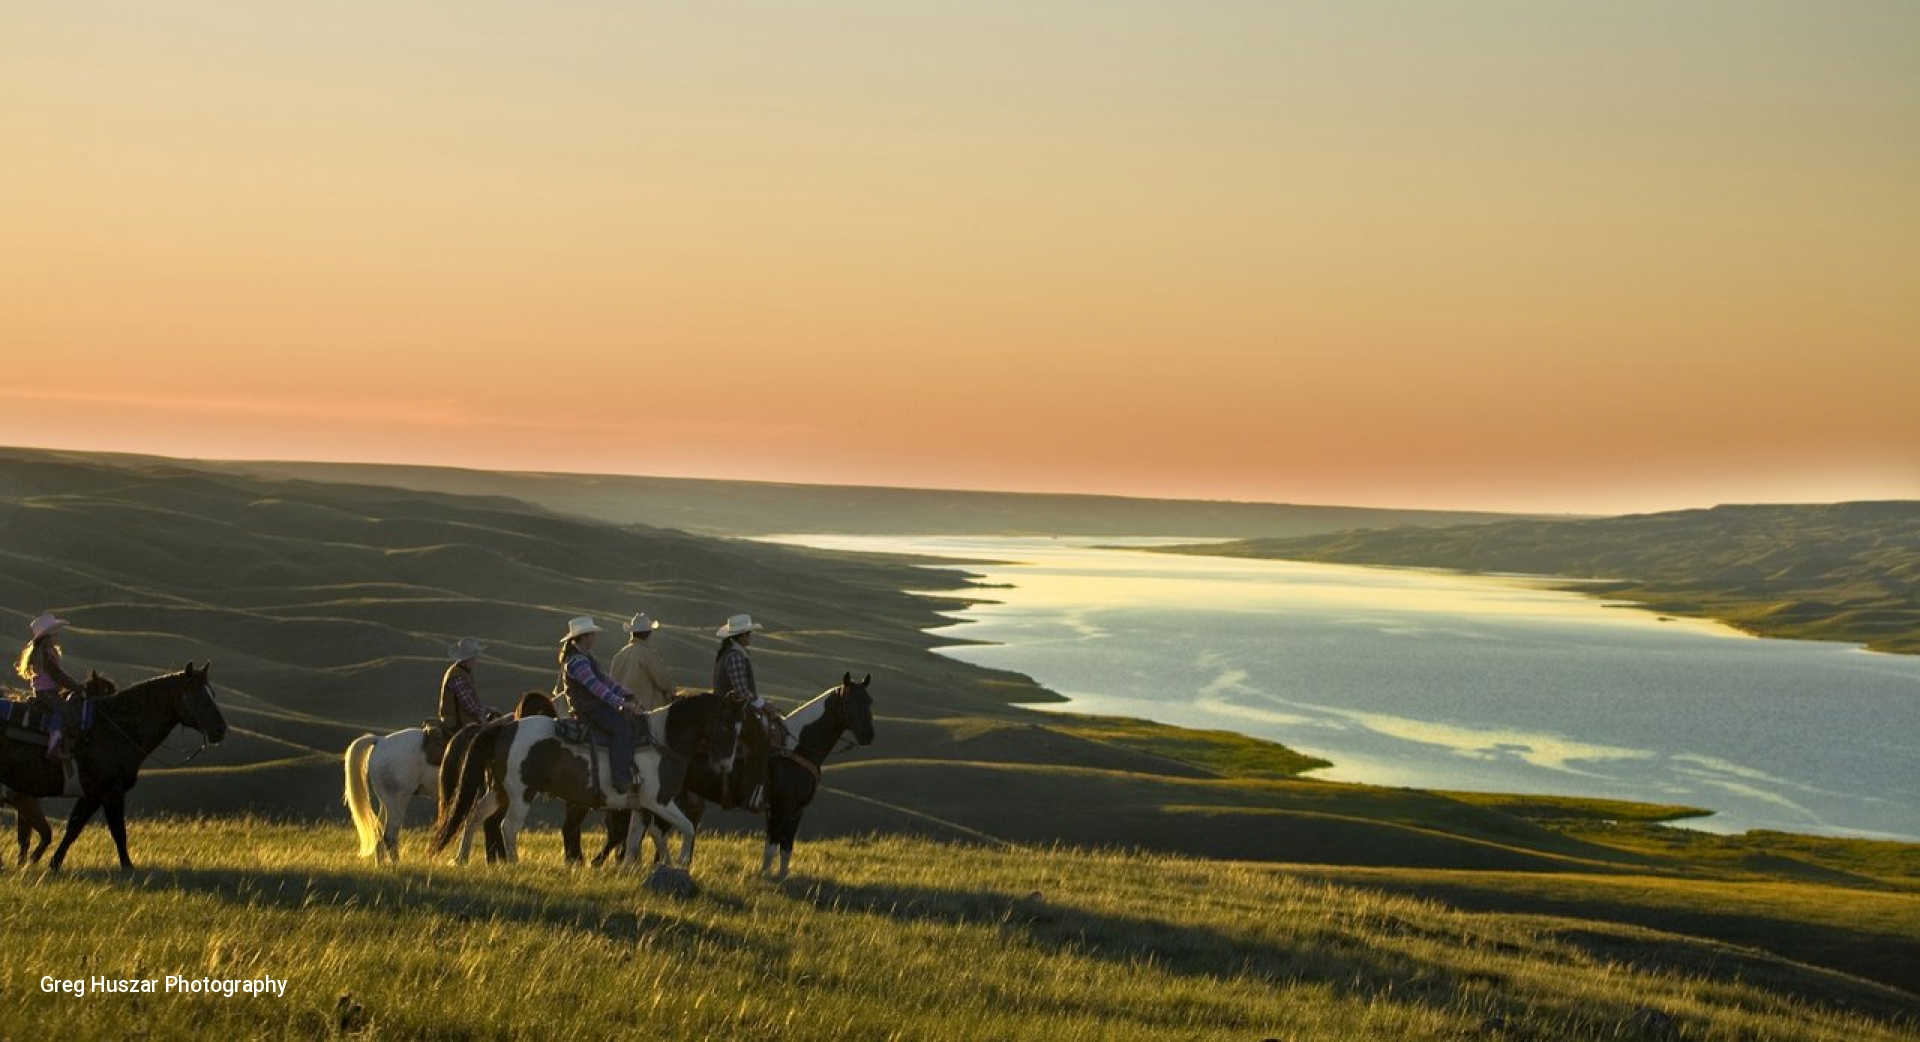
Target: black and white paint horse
(792, 778)
(505, 766)
(384, 772)
(127, 728)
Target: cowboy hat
(45, 624)
(737, 625)
(466, 649)
(580, 627)
(642, 624)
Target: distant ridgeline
(1846, 571)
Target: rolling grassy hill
(1844, 571)
(903, 938)
(326, 608)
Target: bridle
(180, 716)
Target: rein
(115, 724)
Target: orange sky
(1587, 257)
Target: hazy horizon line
(1544, 514)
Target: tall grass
(888, 938)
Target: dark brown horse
(29, 821)
(127, 728)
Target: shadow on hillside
(1366, 955)
(1864, 953)
(1331, 954)
(620, 909)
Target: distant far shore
(1845, 572)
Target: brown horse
(128, 727)
(28, 819)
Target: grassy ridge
(881, 938)
(1845, 571)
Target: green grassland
(881, 937)
(1845, 571)
(326, 606)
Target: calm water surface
(1433, 680)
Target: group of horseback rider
(612, 700)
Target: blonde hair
(24, 667)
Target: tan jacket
(640, 669)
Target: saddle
(574, 730)
(434, 743)
(28, 719)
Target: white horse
(383, 773)
(516, 761)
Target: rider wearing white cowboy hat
(460, 704)
(597, 699)
(40, 666)
(733, 675)
(639, 667)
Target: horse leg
(21, 829)
(570, 833)
(30, 816)
(490, 829)
(393, 814)
(45, 831)
(766, 855)
(517, 806)
(618, 824)
(83, 810)
(694, 807)
(672, 815)
(783, 823)
(116, 807)
(657, 833)
(486, 806)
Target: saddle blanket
(25, 721)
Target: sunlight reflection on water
(1432, 679)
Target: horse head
(706, 724)
(856, 707)
(98, 686)
(720, 731)
(195, 706)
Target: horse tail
(359, 799)
(450, 762)
(473, 779)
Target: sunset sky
(1584, 257)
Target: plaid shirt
(462, 687)
(740, 674)
(581, 670)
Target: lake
(1429, 679)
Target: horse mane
(534, 703)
